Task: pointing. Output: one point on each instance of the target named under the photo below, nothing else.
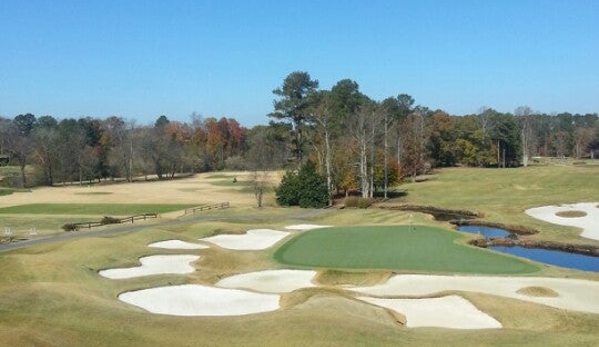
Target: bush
(109, 220)
(357, 202)
(306, 188)
(70, 227)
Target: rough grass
(93, 209)
(400, 248)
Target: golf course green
(400, 248)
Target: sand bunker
(589, 223)
(176, 244)
(154, 265)
(197, 300)
(452, 312)
(271, 281)
(573, 294)
(302, 227)
(257, 239)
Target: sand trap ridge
(452, 312)
(302, 227)
(197, 300)
(271, 281)
(589, 223)
(154, 265)
(176, 244)
(573, 294)
(257, 239)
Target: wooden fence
(220, 206)
(131, 219)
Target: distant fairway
(394, 248)
(93, 209)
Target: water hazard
(554, 257)
(547, 256)
(487, 232)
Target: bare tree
(524, 116)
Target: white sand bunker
(452, 312)
(573, 294)
(302, 227)
(271, 281)
(154, 265)
(257, 239)
(589, 223)
(176, 244)
(197, 300)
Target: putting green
(420, 248)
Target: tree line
(354, 141)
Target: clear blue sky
(141, 59)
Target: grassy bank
(502, 195)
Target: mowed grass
(418, 248)
(93, 209)
(502, 195)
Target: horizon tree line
(356, 143)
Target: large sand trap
(302, 227)
(271, 281)
(589, 223)
(197, 300)
(154, 265)
(452, 312)
(176, 244)
(574, 294)
(257, 239)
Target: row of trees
(355, 142)
(360, 143)
(88, 149)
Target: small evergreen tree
(307, 188)
(287, 192)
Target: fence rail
(131, 219)
(220, 206)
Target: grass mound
(540, 292)
(571, 214)
(419, 248)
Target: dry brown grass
(201, 189)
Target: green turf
(421, 248)
(6, 191)
(93, 209)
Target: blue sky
(141, 59)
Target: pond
(547, 256)
(487, 232)
(554, 257)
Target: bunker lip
(176, 244)
(256, 239)
(270, 281)
(588, 223)
(197, 300)
(574, 294)
(435, 312)
(154, 265)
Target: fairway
(93, 209)
(404, 248)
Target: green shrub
(70, 227)
(109, 220)
(306, 189)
